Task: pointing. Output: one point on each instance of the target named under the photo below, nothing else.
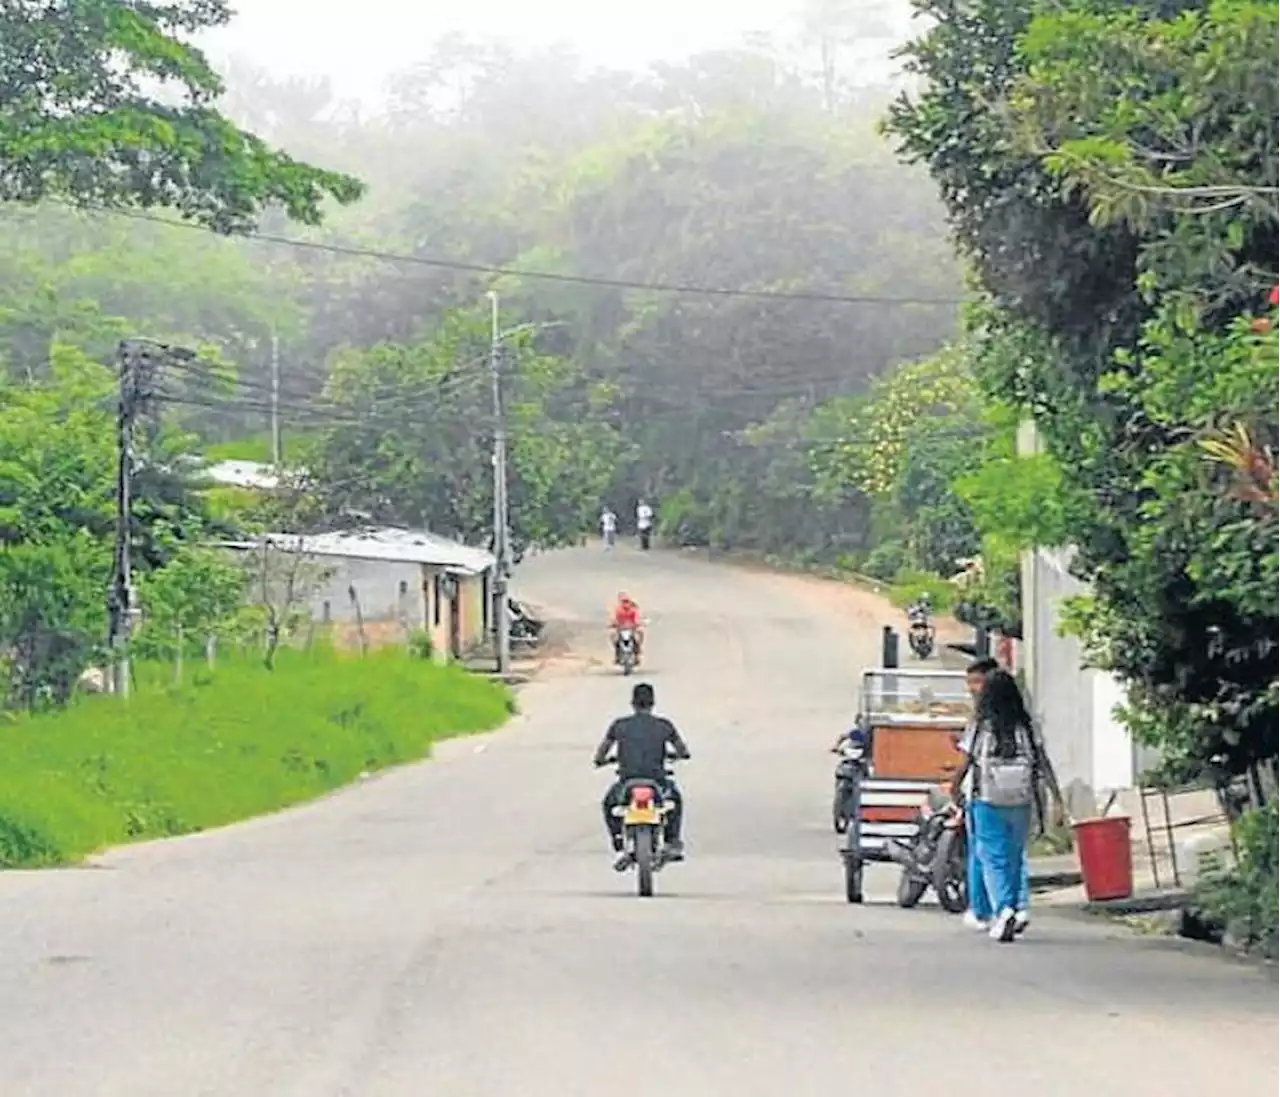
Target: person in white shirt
(608, 527)
(644, 523)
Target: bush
(886, 560)
(237, 741)
(1243, 899)
(908, 585)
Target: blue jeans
(1000, 852)
(979, 900)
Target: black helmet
(642, 696)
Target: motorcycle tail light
(642, 797)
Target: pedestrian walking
(644, 523)
(1004, 766)
(608, 527)
(980, 912)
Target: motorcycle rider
(641, 742)
(858, 735)
(626, 614)
(918, 614)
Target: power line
(689, 289)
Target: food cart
(915, 719)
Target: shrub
(908, 585)
(1243, 899)
(886, 560)
(233, 742)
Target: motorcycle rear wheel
(951, 872)
(644, 862)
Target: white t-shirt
(609, 522)
(644, 516)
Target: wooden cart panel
(920, 752)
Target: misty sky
(358, 44)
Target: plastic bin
(1106, 858)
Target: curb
(1054, 881)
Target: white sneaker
(1005, 926)
(972, 921)
(1021, 919)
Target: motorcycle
(526, 629)
(850, 770)
(920, 633)
(626, 649)
(936, 857)
(643, 817)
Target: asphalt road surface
(455, 929)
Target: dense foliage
(104, 102)
(1112, 178)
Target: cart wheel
(853, 879)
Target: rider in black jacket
(641, 743)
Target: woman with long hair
(1006, 766)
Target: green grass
(908, 585)
(256, 447)
(232, 743)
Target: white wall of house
(388, 591)
(1092, 752)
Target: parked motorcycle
(643, 817)
(626, 648)
(937, 857)
(850, 770)
(525, 627)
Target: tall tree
(79, 119)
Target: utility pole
(137, 360)
(501, 538)
(276, 454)
(133, 390)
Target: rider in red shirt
(626, 614)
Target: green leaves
(424, 455)
(77, 124)
(1113, 181)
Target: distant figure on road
(641, 744)
(608, 527)
(644, 524)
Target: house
(1093, 753)
(251, 475)
(389, 583)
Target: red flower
(1274, 299)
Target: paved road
(454, 928)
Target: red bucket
(1106, 858)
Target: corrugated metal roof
(405, 546)
(242, 474)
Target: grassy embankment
(231, 743)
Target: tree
(79, 122)
(1113, 311)
(193, 598)
(415, 447)
(58, 522)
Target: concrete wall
(388, 592)
(1092, 752)
(473, 618)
